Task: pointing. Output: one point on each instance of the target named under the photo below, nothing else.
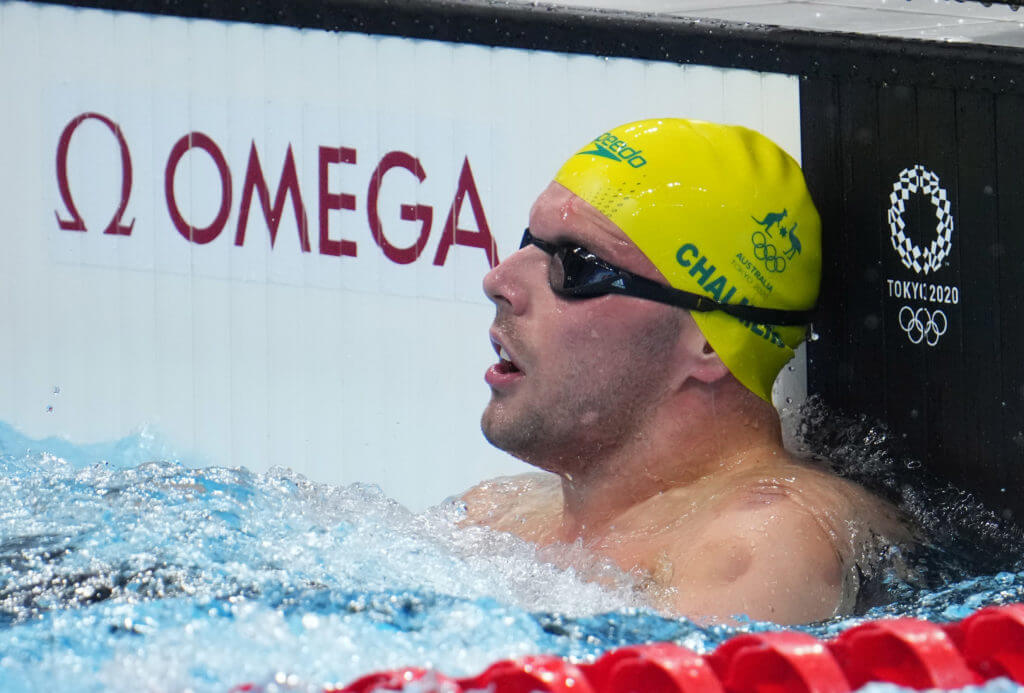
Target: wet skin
(658, 458)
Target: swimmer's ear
(707, 367)
(695, 357)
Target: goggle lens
(575, 271)
(556, 272)
(580, 273)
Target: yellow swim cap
(722, 212)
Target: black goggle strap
(632, 285)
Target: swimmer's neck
(675, 453)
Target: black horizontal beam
(626, 34)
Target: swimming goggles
(578, 273)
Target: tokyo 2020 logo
(930, 259)
(922, 324)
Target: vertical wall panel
(930, 349)
(939, 401)
(1007, 378)
(860, 262)
(974, 430)
(822, 169)
(905, 375)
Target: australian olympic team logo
(763, 241)
(930, 259)
(923, 325)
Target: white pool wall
(344, 368)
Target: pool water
(122, 573)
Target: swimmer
(639, 330)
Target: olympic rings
(767, 253)
(927, 329)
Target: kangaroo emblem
(770, 220)
(794, 241)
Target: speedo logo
(611, 147)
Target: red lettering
(289, 183)
(192, 233)
(76, 223)
(473, 239)
(329, 201)
(421, 213)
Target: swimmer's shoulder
(519, 504)
(775, 541)
(757, 552)
(815, 487)
(847, 503)
(854, 519)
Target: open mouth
(505, 363)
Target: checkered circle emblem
(912, 180)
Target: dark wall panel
(977, 230)
(924, 287)
(1007, 377)
(818, 134)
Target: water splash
(163, 576)
(961, 538)
(129, 574)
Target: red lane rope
(904, 651)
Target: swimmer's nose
(509, 281)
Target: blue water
(122, 568)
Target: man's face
(584, 373)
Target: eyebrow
(605, 245)
(565, 237)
